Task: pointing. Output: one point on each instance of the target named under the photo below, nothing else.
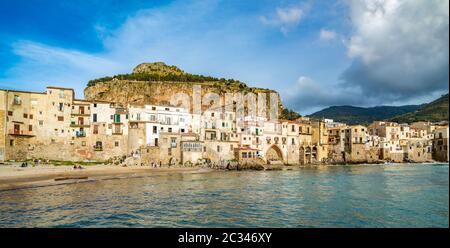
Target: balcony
(84, 125)
(79, 124)
(117, 132)
(80, 134)
(98, 148)
(20, 132)
(80, 113)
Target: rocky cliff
(155, 83)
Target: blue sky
(315, 53)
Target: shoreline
(13, 177)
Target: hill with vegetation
(156, 83)
(434, 111)
(359, 115)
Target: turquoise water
(342, 196)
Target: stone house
(441, 144)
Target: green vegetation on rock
(434, 111)
(160, 72)
(288, 114)
(358, 115)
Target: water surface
(341, 196)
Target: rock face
(137, 88)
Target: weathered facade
(54, 125)
(440, 144)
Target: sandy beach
(12, 176)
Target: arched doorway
(308, 155)
(274, 154)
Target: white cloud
(47, 55)
(182, 33)
(327, 35)
(399, 47)
(309, 96)
(284, 18)
(42, 65)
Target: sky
(314, 53)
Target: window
(169, 152)
(138, 116)
(30, 128)
(31, 116)
(95, 105)
(11, 142)
(170, 130)
(17, 100)
(25, 116)
(61, 106)
(117, 118)
(10, 113)
(41, 123)
(293, 141)
(98, 144)
(116, 143)
(293, 128)
(95, 131)
(244, 155)
(218, 148)
(155, 130)
(60, 118)
(182, 130)
(166, 109)
(153, 108)
(94, 118)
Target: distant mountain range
(434, 111)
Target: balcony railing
(80, 134)
(98, 148)
(20, 132)
(79, 113)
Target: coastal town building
(440, 144)
(54, 125)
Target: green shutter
(117, 118)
